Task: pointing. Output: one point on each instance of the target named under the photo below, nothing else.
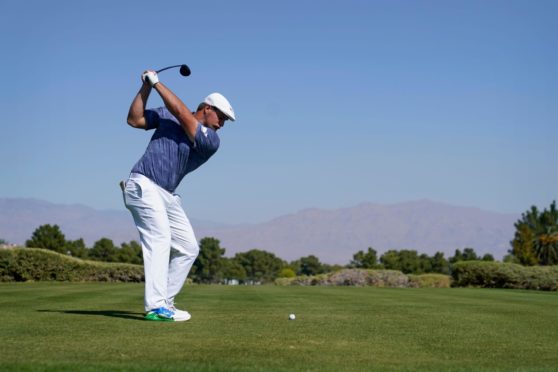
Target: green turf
(99, 326)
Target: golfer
(182, 141)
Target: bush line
(35, 264)
(373, 278)
(504, 275)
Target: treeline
(51, 237)
(253, 266)
(258, 266)
(411, 262)
(535, 244)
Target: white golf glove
(151, 77)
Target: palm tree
(546, 246)
(536, 237)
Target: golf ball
(292, 317)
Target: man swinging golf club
(182, 141)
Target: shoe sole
(157, 318)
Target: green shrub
(430, 281)
(504, 275)
(34, 264)
(287, 272)
(352, 277)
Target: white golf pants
(167, 239)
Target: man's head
(214, 111)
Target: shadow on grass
(111, 313)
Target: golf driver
(184, 69)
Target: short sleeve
(206, 142)
(152, 118)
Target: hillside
(332, 235)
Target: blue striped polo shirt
(170, 155)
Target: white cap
(217, 100)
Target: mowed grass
(99, 326)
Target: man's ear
(205, 111)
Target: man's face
(215, 119)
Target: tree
(104, 250)
(309, 265)
(409, 261)
(488, 257)
(522, 245)
(439, 264)
(468, 254)
(390, 260)
(209, 265)
(76, 248)
(510, 258)
(457, 256)
(546, 247)
(362, 260)
(536, 237)
(130, 253)
(233, 270)
(406, 261)
(260, 265)
(424, 264)
(48, 237)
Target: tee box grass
(99, 326)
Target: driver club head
(185, 70)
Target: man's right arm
(176, 107)
(136, 115)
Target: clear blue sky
(338, 102)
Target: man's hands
(150, 77)
(136, 115)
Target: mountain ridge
(333, 235)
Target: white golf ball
(292, 317)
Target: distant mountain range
(332, 235)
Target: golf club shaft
(166, 68)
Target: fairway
(99, 326)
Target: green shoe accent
(153, 316)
